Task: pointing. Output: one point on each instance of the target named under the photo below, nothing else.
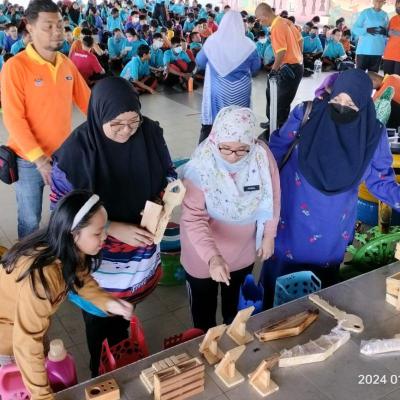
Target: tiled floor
(165, 312)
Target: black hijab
(74, 14)
(124, 175)
(334, 157)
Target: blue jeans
(29, 191)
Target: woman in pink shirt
(229, 214)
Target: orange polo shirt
(392, 50)
(37, 99)
(285, 37)
(394, 82)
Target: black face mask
(342, 114)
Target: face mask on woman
(263, 40)
(157, 44)
(342, 114)
(178, 49)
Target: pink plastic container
(60, 367)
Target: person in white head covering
(229, 214)
(229, 59)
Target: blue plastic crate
(293, 286)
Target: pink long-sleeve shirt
(203, 237)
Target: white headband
(84, 210)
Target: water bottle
(317, 67)
(60, 367)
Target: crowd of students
(239, 205)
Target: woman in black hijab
(74, 13)
(122, 156)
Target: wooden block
(397, 253)
(105, 390)
(287, 327)
(237, 329)
(151, 216)
(147, 375)
(261, 380)
(314, 351)
(209, 346)
(180, 381)
(226, 369)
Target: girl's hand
(133, 235)
(267, 248)
(219, 270)
(120, 307)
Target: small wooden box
(105, 390)
(393, 290)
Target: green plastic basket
(173, 272)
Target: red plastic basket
(125, 352)
(182, 337)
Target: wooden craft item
(348, 322)
(261, 380)
(209, 346)
(237, 329)
(397, 253)
(156, 217)
(147, 375)
(315, 350)
(393, 289)
(180, 381)
(287, 327)
(105, 390)
(226, 369)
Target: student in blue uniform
(132, 44)
(156, 54)
(333, 52)
(116, 45)
(371, 29)
(178, 65)
(114, 21)
(21, 43)
(137, 71)
(189, 24)
(312, 48)
(11, 37)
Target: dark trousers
(114, 329)
(370, 63)
(205, 131)
(391, 67)
(394, 120)
(179, 66)
(309, 60)
(287, 89)
(328, 276)
(203, 295)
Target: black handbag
(8, 165)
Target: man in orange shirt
(391, 56)
(38, 88)
(287, 44)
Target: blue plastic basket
(251, 295)
(293, 286)
(367, 212)
(171, 240)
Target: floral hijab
(238, 193)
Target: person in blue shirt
(116, 45)
(218, 15)
(371, 28)
(195, 43)
(132, 44)
(156, 54)
(11, 37)
(178, 65)
(202, 12)
(189, 24)
(4, 19)
(137, 71)
(312, 48)
(261, 44)
(322, 36)
(21, 43)
(334, 51)
(114, 21)
(306, 29)
(66, 47)
(179, 9)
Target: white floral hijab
(238, 193)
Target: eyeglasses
(228, 152)
(117, 127)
